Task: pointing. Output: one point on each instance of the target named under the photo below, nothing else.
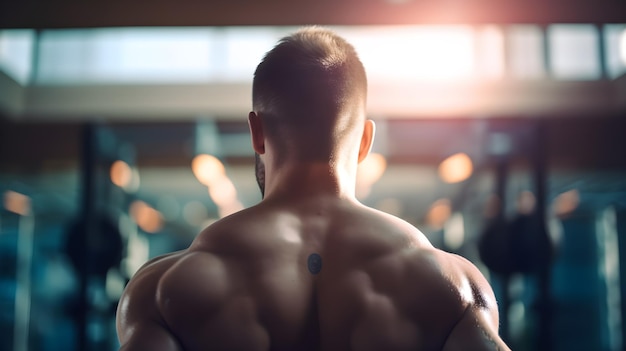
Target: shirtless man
(309, 267)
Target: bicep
(475, 332)
(148, 336)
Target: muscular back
(319, 275)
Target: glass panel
(16, 50)
(414, 53)
(490, 52)
(574, 52)
(615, 49)
(152, 55)
(397, 53)
(126, 55)
(243, 48)
(525, 52)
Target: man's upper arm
(149, 336)
(474, 332)
(477, 328)
(139, 322)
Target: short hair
(312, 82)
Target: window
(615, 49)
(525, 52)
(574, 52)
(406, 54)
(123, 55)
(16, 50)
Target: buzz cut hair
(310, 69)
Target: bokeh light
(146, 217)
(121, 174)
(223, 191)
(456, 168)
(207, 169)
(566, 203)
(17, 203)
(439, 212)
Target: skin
(309, 268)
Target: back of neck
(309, 180)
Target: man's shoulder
(148, 276)
(374, 227)
(168, 291)
(450, 277)
(431, 287)
(197, 281)
(242, 234)
(167, 269)
(138, 302)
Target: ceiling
(112, 13)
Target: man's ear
(256, 133)
(367, 139)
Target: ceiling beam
(115, 13)
(232, 101)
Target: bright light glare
(223, 192)
(245, 47)
(456, 168)
(490, 47)
(211, 172)
(230, 54)
(429, 53)
(208, 169)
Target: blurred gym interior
(501, 134)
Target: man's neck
(306, 180)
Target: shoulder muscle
(139, 323)
(477, 327)
(192, 290)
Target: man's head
(310, 91)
